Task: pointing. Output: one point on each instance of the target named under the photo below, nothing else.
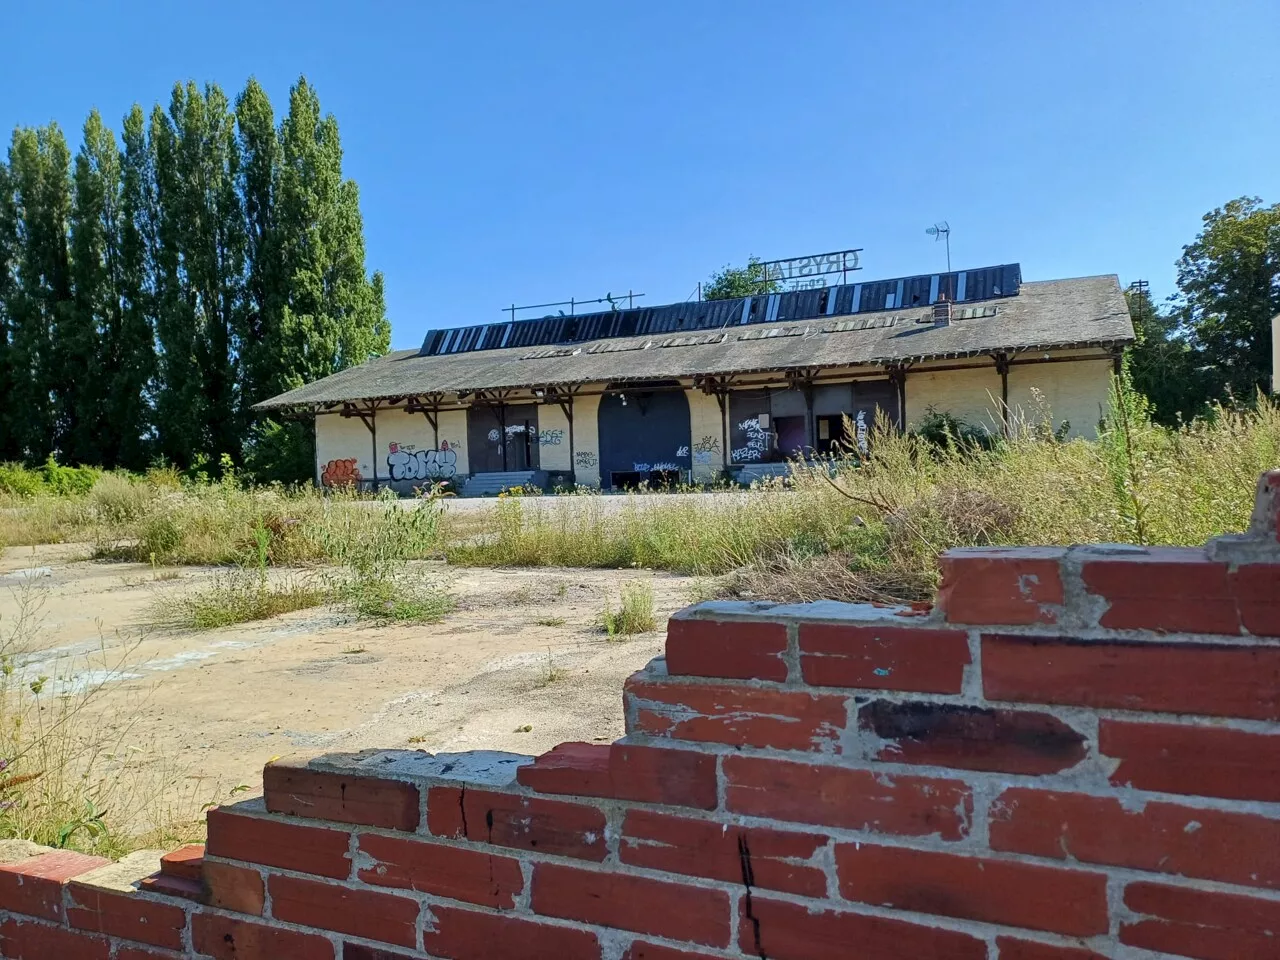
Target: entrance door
(503, 437)
(644, 437)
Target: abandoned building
(689, 391)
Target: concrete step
(489, 484)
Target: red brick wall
(1076, 755)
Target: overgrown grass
(374, 580)
(236, 596)
(867, 525)
(70, 770)
(635, 613)
(401, 598)
(871, 526)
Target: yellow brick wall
(966, 394)
(453, 431)
(706, 431)
(1073, 392)
(343, 438)
(553, 437)
(340, 438)
(586, 441)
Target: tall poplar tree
(333, 316)
(179, 404)
(155, 289)
(9, 449)
(42, 304)
(88, 344)
(132, 381)
(266, 286)
(212, 243)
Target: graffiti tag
(757, 441)
(494, 435)
(682, 451)
(707, 444)
(663, 466)
(550, 438)
(340, 473)
(405, 463)
(862, 431)
(585, 459)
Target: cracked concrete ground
(521, 665)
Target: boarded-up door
(644, 437)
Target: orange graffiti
(340, 473)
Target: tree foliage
(731, 282)
(1211, 343)
(156, 288)
(1229, 281)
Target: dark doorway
(503, 437)
(644, 435)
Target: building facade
(690, 392)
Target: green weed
(235, 596)
(635, 614)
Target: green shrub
(17, 480)
(635, 614)
(68, 481)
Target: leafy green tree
(41, 303)
(1229, 283)
(747, 281)
(1164, 364)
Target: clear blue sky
(537, 151)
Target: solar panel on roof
(985, 283)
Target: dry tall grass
(885, 516)
(73, 773)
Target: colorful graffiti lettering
(405, 463)
(340, 473)
(585, 459)
(550, 438)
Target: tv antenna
(942, 230)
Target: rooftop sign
(803, 273)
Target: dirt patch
(521, 665)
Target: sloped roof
(1044, 314)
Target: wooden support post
(898, 377)
(1002, 367)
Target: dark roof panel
(981, 284)
(1044, 315)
